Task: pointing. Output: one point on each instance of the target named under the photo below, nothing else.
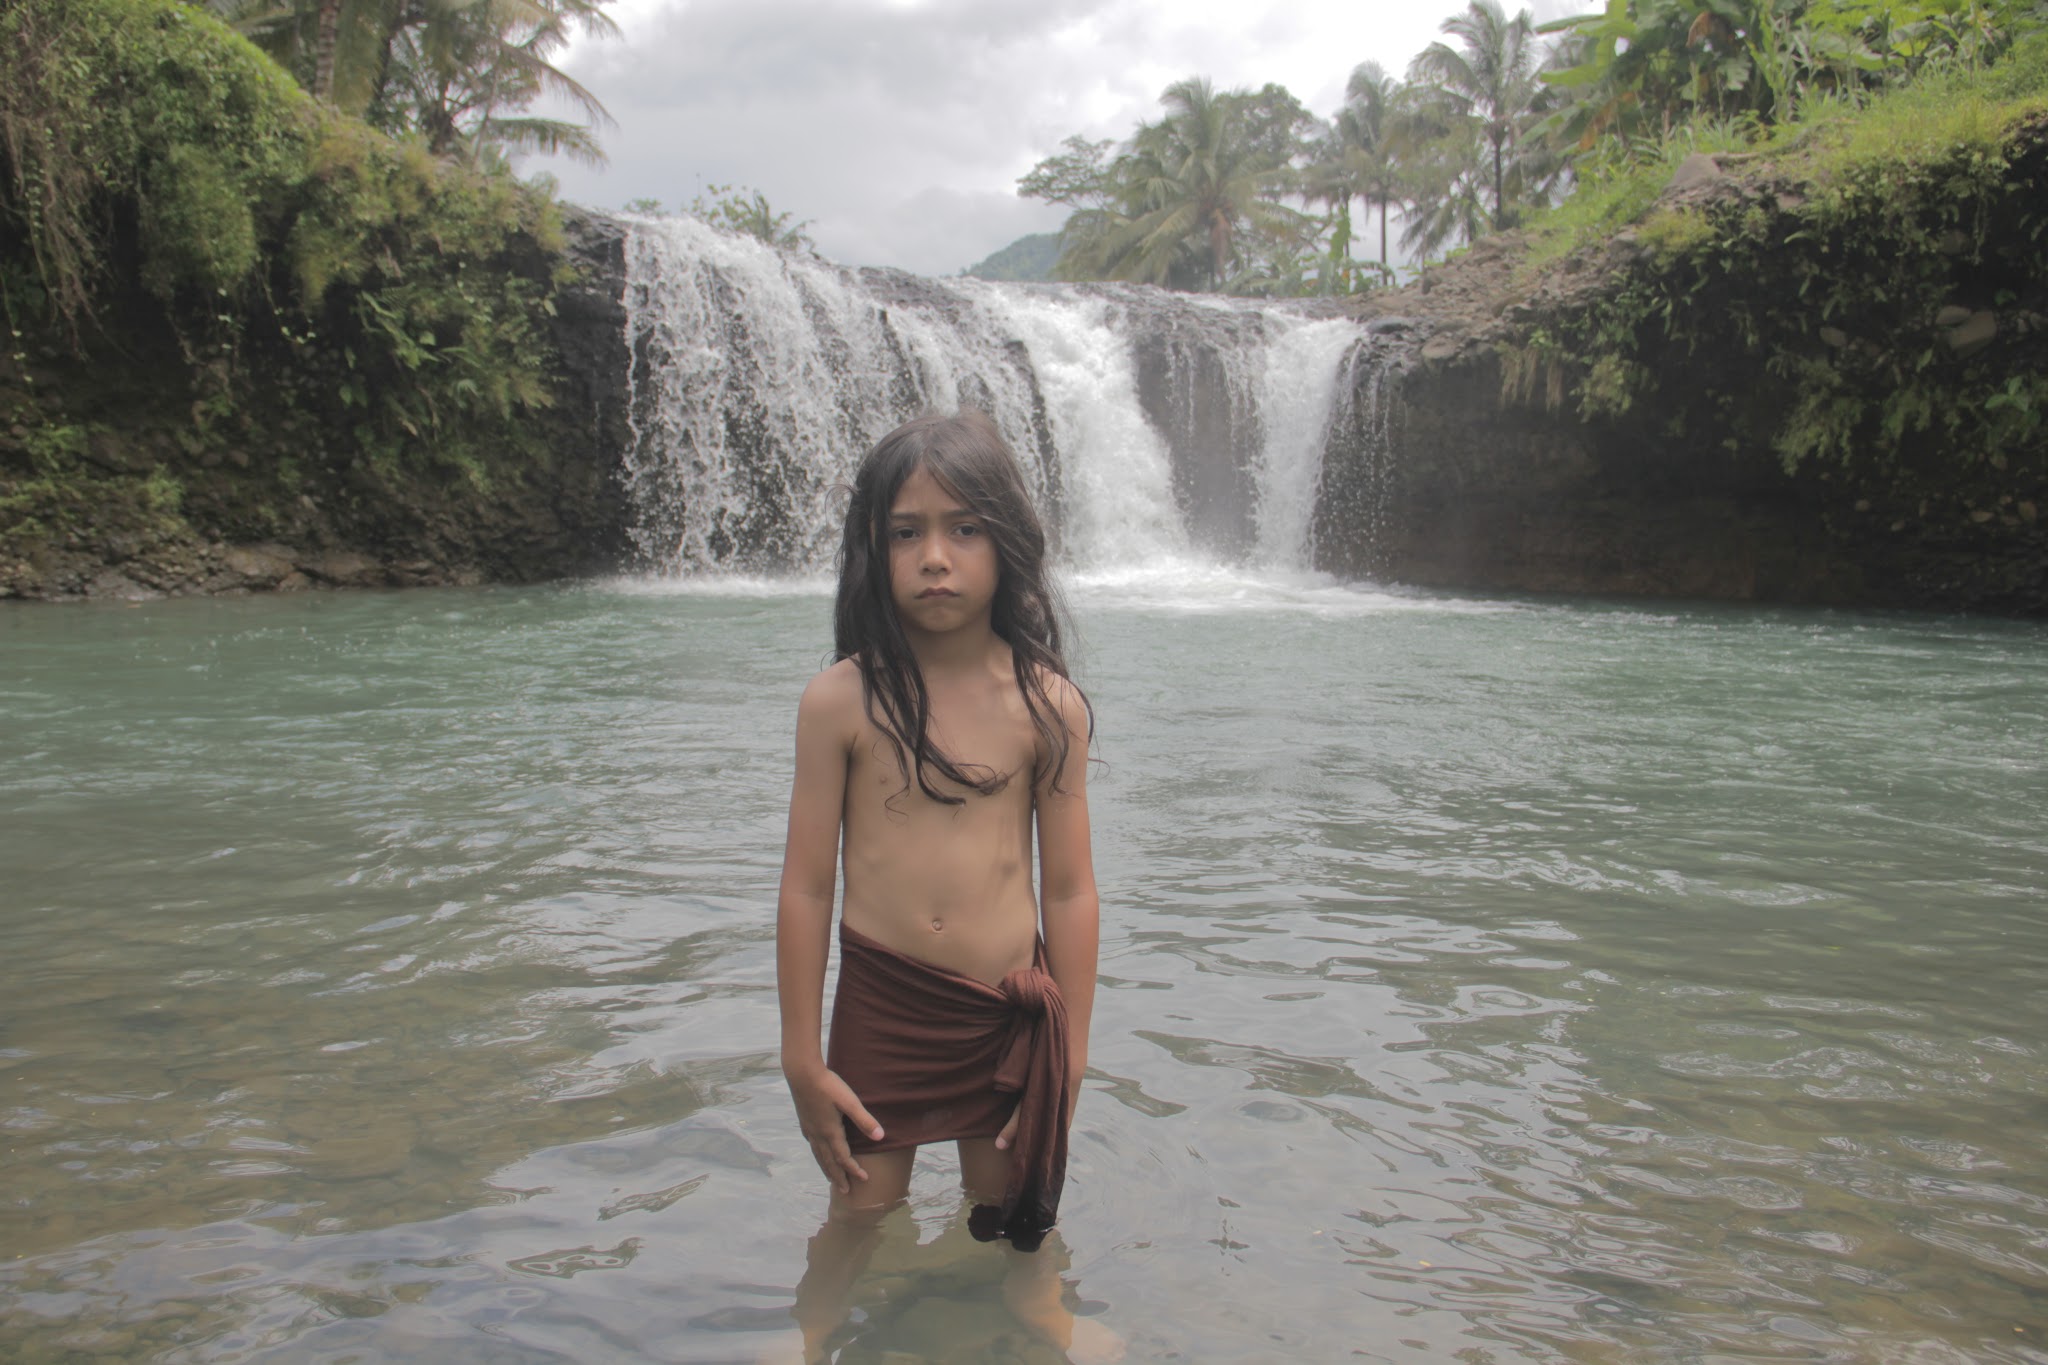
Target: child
(946, 733)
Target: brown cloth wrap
(936, 1055)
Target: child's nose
(935, 553)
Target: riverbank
(1811, 372)
(117, 482)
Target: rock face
(1477, 493)
(128, 496)
(1513, 463)
(1206, 409)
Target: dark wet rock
(259, 566)
(160, 502)
(1207, 409)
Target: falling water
(1156, 429)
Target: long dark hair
(967, 454)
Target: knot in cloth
(1030, 993)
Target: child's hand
(821, 1099)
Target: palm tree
(1490, 82)
(462, 78)
(1359, 160)
(458, 71)
(333, 47)
(1191, 185)
(1443, 166)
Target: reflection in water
(872, 1289)
(390, 977)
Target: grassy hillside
(1865, 293)
(1026, 259)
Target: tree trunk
(326, 33)
(401, 15)
(1500, 192)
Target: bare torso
(951, 885)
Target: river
(389, 977)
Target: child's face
(943, 568)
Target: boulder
(1697, 169)
(1974, 333)
(259, 566)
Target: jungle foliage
(359, 301)
(740, 209)
(460, 74)
(1865, 294)
(1500, 121)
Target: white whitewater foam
(762, 377)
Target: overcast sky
(899, 127)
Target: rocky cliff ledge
(120, 484)
(1770, 388)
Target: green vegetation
(741, 209)
(458, 73)
(170, 201)
(1248, 193)
(1028, 259)
(1220, 192)
(1194, 201)
(1883, 268)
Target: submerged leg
(1032, 1288)
(842, 1246)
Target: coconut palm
(1488, 84)
(463, 79)
(1190, 186)
(458, 71)
(333, 47)
(1359, 160)
(1443, 168)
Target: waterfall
(1155, 429)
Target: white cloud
(899, 127)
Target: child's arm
(803, 922)
(1066, 881)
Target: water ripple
(391, 976)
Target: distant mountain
(1027, 258)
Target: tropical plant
(1361, 156)
(748, 212)
(1176, 206)
(1486, 94)
(1642, 68)
(459, 72)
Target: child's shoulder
(834, 694)
(835, 681)
(1066, 697)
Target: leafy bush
(384, 293)
(1831, 256)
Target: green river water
(389, 977)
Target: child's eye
(967, 528)
(903, 533)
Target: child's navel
(938, 925)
